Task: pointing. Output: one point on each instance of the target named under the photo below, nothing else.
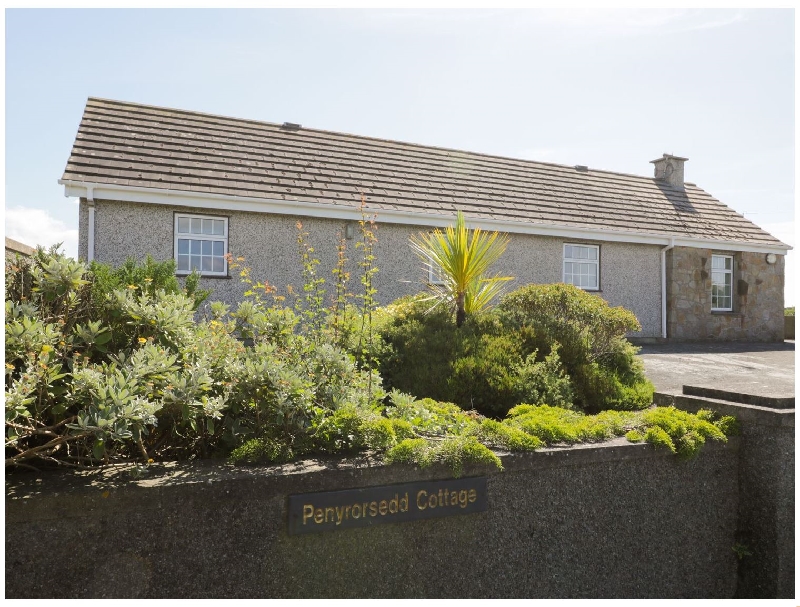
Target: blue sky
(611, 89)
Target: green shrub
(94, 375)
(147, 277)
(590, 338)
(478, 366)
(262, 450)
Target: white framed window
(722, 283)
(435, 276)
(582, 266)
(201, 242)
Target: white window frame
(434, 274)
(595, 262)
(201, 237)
(725, 272)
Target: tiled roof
(128, 144)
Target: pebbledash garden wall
(757, 297)
(607, 520)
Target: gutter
(204, 200)
(90, 235)
(664, 287)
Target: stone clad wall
(757, 297)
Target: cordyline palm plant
(462, 259)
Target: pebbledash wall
(610, 520)
(630, 274)
(757, 297)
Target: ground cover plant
(107, 365)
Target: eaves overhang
(122, 193)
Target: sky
(610, 89)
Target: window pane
(183, 246)
(568, 252)
(206, 264)
(219, 227)
(219, 264)
(208, 226)
(592, 253)
(568, 267)
(206, 246)
(219, 248)
(195, 262)
(183, 225)
(183, 263)
(196, 225)
(195, 247)
(729, 263)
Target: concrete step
(773, 402)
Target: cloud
(640, 21)
(37, 227)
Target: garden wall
(608, 520)
(766, 493)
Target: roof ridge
(370, 138)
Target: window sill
(207, 276)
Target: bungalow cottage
(192, 186)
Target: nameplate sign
(332, 510)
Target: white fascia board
(333, 211)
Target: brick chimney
(670, 169)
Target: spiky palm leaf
(462, 258)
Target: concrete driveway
(747, 368)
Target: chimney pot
(669, 168)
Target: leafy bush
(93, 375)
(590, 337)
(149, 277)
(98, 370)
(545, 344)
(481, 366)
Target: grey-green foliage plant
(89, 370)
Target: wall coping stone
(764, 416)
